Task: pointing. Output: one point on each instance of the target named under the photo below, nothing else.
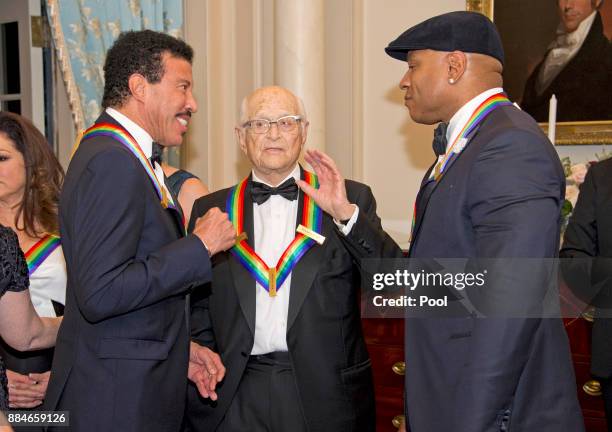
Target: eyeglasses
(284, 124)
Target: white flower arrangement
(574, 177)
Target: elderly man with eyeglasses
(282, 309)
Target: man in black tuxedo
(576, 67)
(587, 265)
(494, 191)
(121, 360)
(296, 358)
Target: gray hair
(244, 109)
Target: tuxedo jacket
(122, 350)
(580, 87)
(500, 198)
(328, 353)
(587, 259)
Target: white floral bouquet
(574, 177)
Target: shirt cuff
(346, 228)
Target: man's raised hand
(331, 195)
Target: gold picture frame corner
(484, 7)
(581, 133)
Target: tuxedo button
(244, 354)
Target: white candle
(552, 118)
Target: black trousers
(267, 399)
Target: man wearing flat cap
(494, 191)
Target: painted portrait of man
(559, 47)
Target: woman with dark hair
(20, 326)
(30, 182)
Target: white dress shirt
(48, 282)
(274, 224)
(143, 139)
(561, 51)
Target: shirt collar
(141, 136)
(458, 120)
(575, 38)
(295, 174)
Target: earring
(451, 81)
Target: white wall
(397, 151)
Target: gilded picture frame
(567, 133)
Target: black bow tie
(261, 192)
(439, 141)
(156, 154)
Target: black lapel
(429, 187)
(420, 202)
(177, 217)
(177, 214)
(244, 283)
(306, 269)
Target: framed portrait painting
(559, 47)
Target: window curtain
(83, 30)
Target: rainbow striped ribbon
(272, 278)
(123, 137)
(479, 114)
(40, 251)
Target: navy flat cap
(455, 31)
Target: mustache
(186, 113)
